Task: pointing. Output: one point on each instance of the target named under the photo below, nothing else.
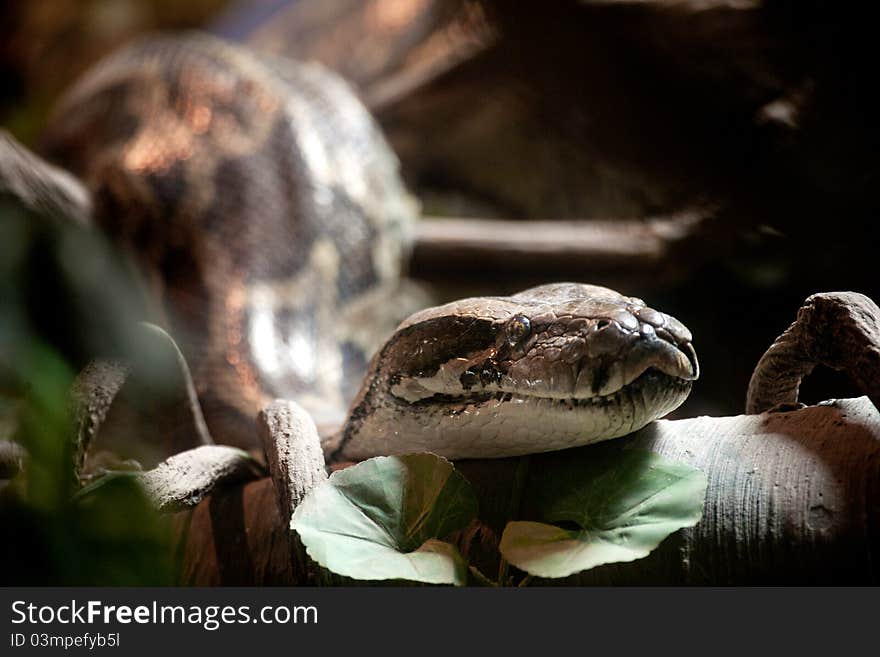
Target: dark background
(763, 112)
(758, 116)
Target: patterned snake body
(268, 213)
(263, 203)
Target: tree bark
(793, 498)
(840, 330)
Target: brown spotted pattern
(262, 202)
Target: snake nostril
(602, 323)
(468, 379)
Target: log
(840, 330)
(793, 498)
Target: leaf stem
(502, 572)
(480, 577)
(513, 509)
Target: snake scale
(267, 212)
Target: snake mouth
(585, 380)
(650, 383)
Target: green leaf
(382, 518)
(622, 503)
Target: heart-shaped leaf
(622, 503)
(383, 518)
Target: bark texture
(293, 452)
(840, 330)
(793, 498)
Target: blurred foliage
(62, 293)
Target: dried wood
(456, 248)
(840, 330)
(793, 498)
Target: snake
(268, 215)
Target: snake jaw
(487, 425)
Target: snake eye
(518, 329)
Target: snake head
(554, 366)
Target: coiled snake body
(267, 211)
